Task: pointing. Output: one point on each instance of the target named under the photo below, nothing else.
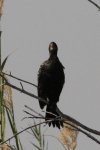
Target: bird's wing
(41, 85)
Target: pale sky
(75, 26)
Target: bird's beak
(51, 48)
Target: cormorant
(51, 79)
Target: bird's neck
(52, 57)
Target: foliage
(36, 132)
(68, 135)
(6, 103)
(1, 4)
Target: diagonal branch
(18, 78)
(68, 118)
(23, 91)
(94, 4)
(34, 111)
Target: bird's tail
(51, 113)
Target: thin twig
(21, 86)
(32, 118)
(34, 111)
(57, 118)
(23, 91)
(28, 113)
(50, 113)
(18, 78)
(94, 4)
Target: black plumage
(51, 79)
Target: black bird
(51, 79)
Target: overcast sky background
(75, 26)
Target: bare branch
(68, 118)
(18, 78)
(33, 116)
(21, 86)
(34, 111)
(53, 119)
(94, 4)
(23, 91)
(28, 113)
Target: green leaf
(20, 145)
(36, 129)
(47, 146)
(0, 33)
(13, 128)
(36, 146)
(8, 109)
(40, 128)
(3, 64)
(11, 124)
(34, 132)
(43, 142)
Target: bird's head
(53, 48)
